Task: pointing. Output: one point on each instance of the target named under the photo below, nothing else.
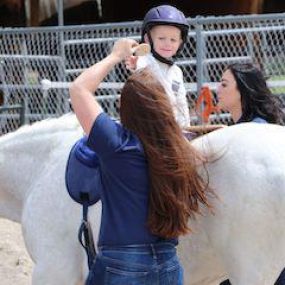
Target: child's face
(166, 40)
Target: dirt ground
(15, 263)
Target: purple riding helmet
(164, 15)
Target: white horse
(243, 240)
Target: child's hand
(131, 62)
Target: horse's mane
(65, 123)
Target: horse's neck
(24, 156)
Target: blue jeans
(153, 264)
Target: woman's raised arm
(83, 87)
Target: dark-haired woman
(243, 92)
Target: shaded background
(14, 13)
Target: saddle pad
(82, 174)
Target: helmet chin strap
(160, 58)
(156, 55)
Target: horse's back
(247, 154)
(247, 173)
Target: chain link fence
(59, 54)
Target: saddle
(200, 130)
(83, 183)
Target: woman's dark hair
(177, 189)
(256, 98)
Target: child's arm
(183, 105)
(135, 62)
(131, 63)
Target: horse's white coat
(244, 239)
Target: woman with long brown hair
(150, 183)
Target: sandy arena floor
(15, 263)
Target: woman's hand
(123, 48)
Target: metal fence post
(200, 54)
(23, 112)
(60, 12)
(62, 51)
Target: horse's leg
(249, 264)
(251, 248)
(57, 270)
(58, 259)
(247, 230)
(50, 223)
(252, 276)
(200, 262)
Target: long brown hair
(177, 189)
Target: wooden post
(34, 13)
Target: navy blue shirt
(125, 180)
(259, 120)
(255, 120)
